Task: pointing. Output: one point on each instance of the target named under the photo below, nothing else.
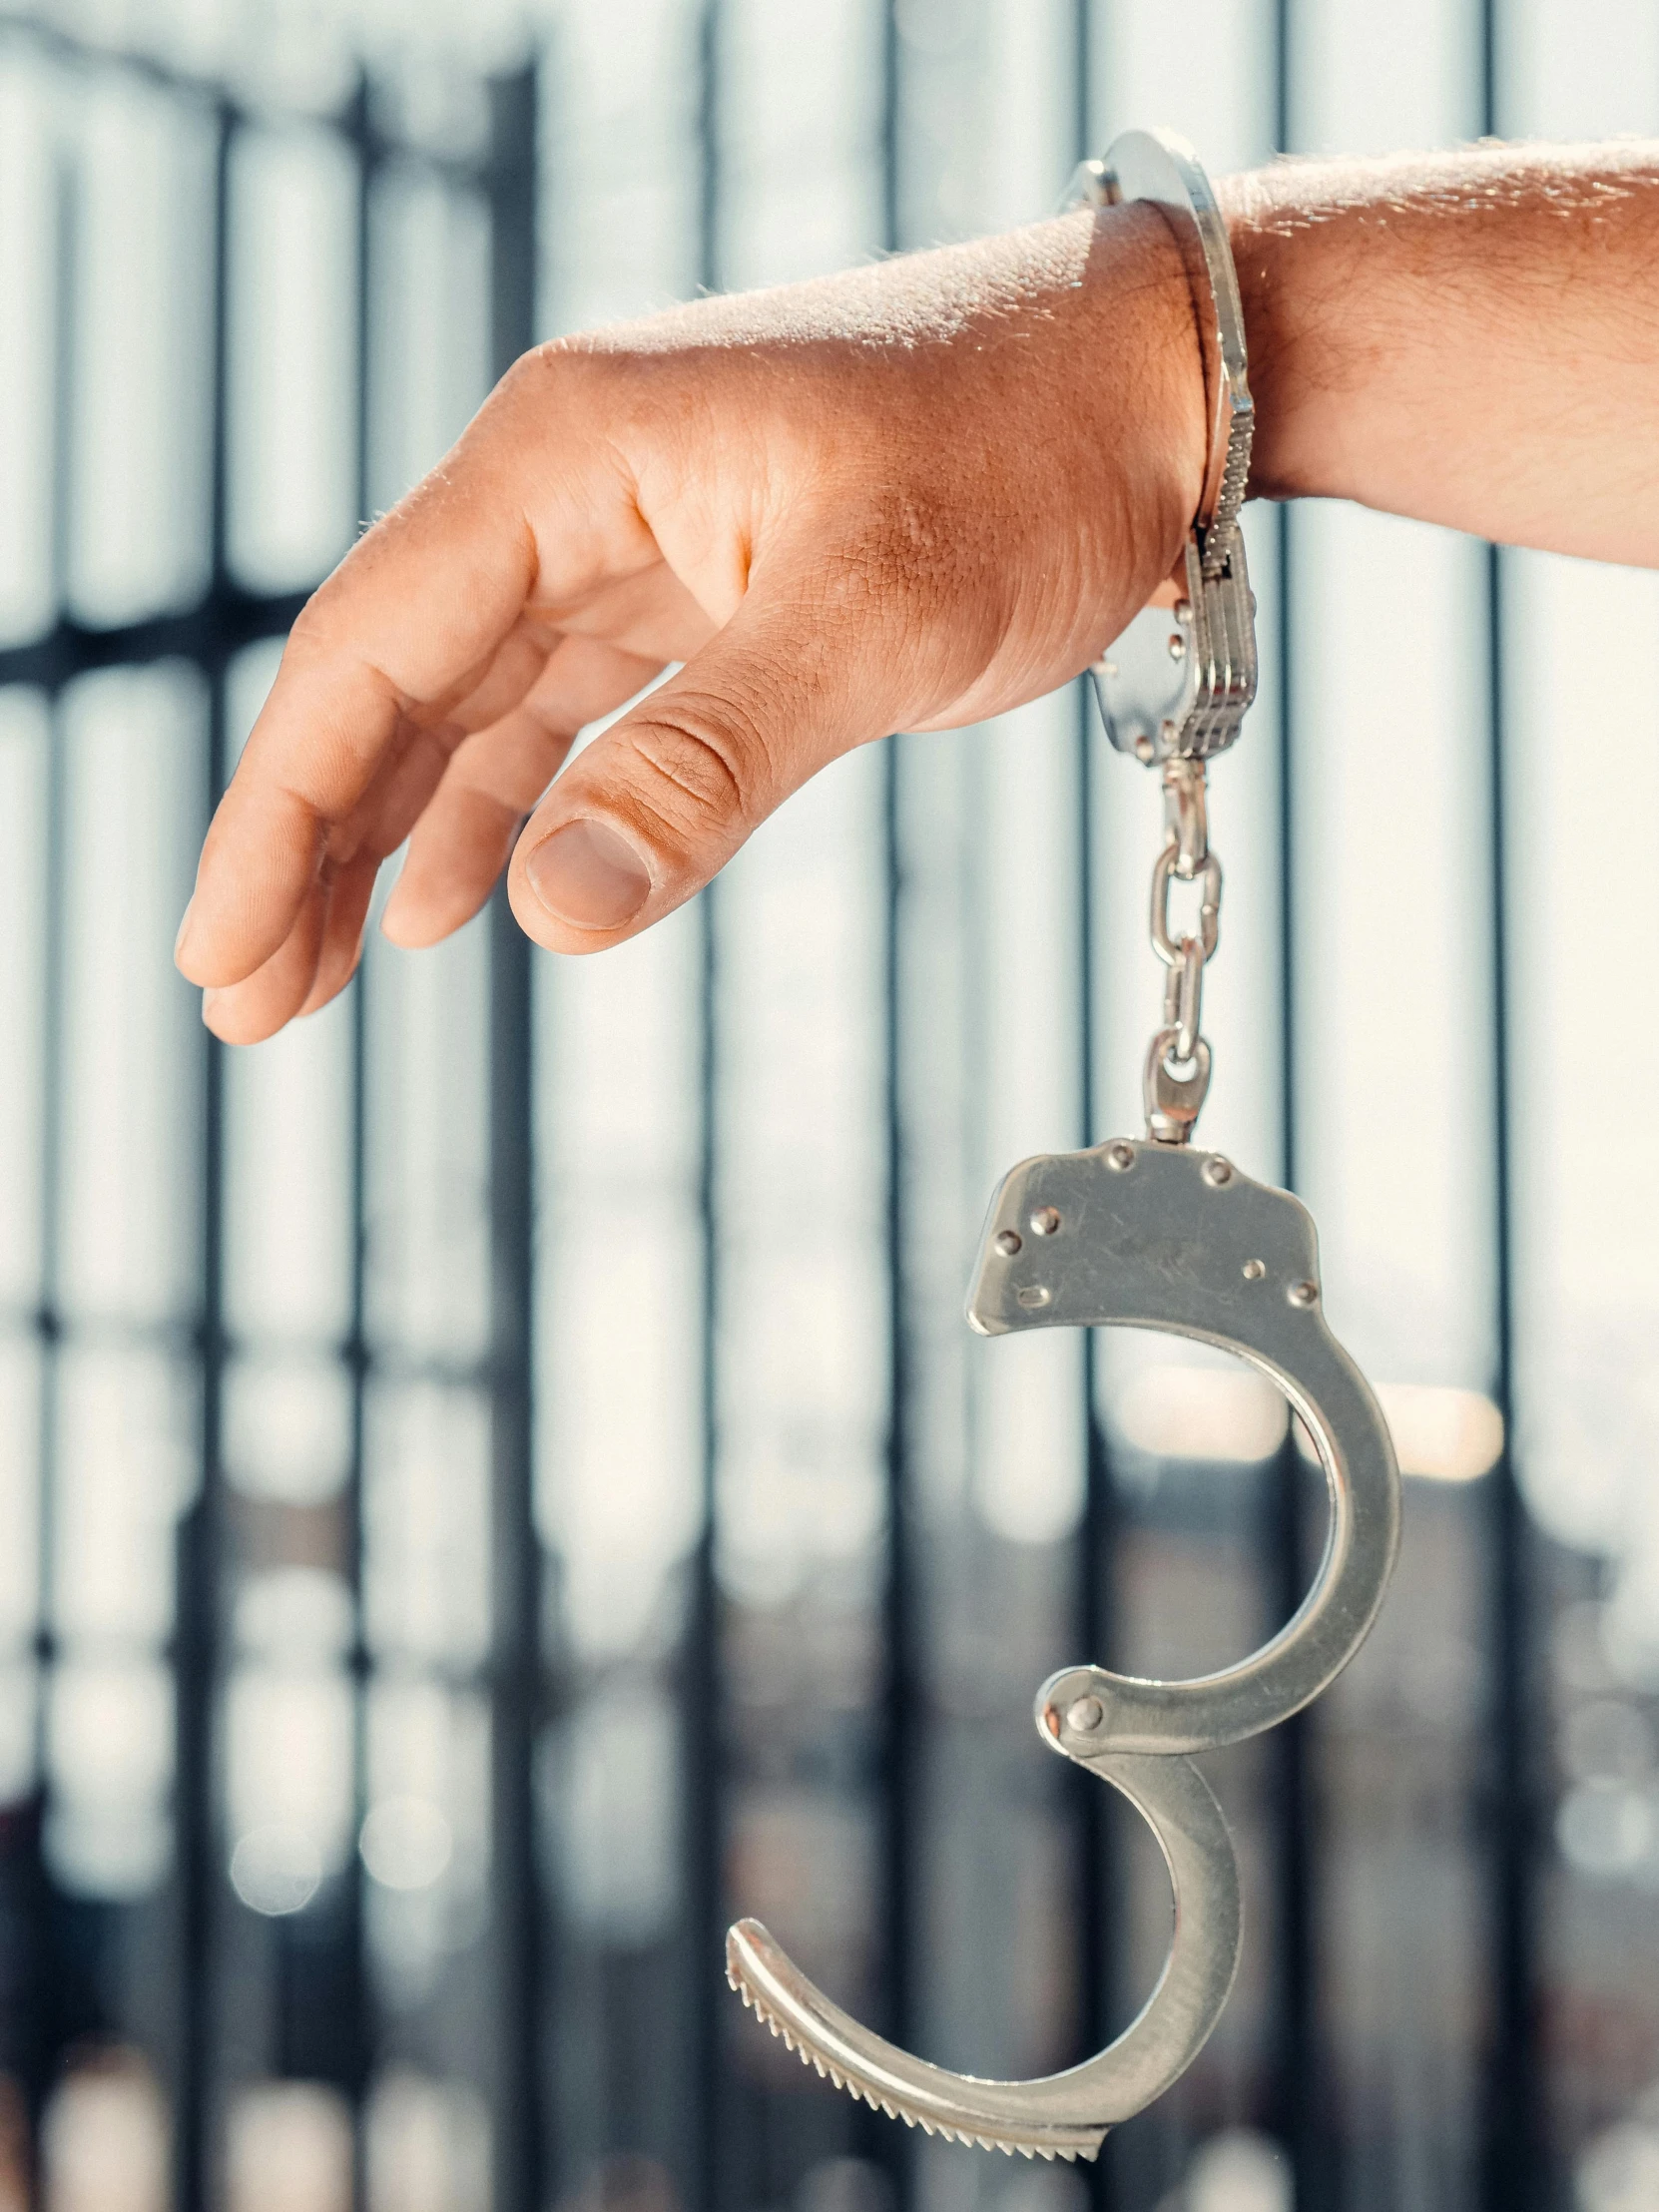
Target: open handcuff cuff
(1157, 1235)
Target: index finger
(407, 626)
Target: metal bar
(225, 620)
(522, 2152)
(901, 1729)
(1513, 2138)
(1298, 2097)
(201, 1529)
(69, 48)
(1098, 1915)
(704, 1716)
(1098, 1907)
(73, 51)
(1299, 2093)
(1512, 2150)
(113, 1333)
(360, 2031)
(901, 1718)
(39, 2058)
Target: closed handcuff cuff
(1157, 1235)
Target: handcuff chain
(1173, 1100)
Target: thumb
(659, 804)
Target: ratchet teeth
(896, 2108)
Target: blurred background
(495, 1480)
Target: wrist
(1267, 252)
(1309, 238)
(1136, 322)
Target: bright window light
(1182, 1412)
(1442, 1434)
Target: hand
(907, 498)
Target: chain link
(1173, 1099)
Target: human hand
(907, 498)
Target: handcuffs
(1157, 1235)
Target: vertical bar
(360, 2033)
(1513, 2139)
(37, 2061)
(39, 2056)
(201, 1529)
(521, 2151)
(1297, 2097)
(1097, 1545)
(703, 1719)
(900, 1740)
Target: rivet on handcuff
(1155, 1235)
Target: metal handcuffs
(1156, 1235)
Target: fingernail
(588, 876)
(209, 998)
(184, 927)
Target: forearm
(1469, 337)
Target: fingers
(657, 805)
(469, 804)
(461, 842)
(313, 965)
(424, 614)
(342, 934)
(352, 696)
(258, 1005)
(320, 951)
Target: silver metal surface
(1162, 1244)
(1187, 816)
(1178, 681)
(1167, 947)
(1183, 999)
(1150, 1236)
(1157, 706)
(1173, 1102)
(1063, 2115)
(1160, 167)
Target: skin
(906, 497)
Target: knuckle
(706, 768)
(527, 382)
(565, 367)
(309, 632)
